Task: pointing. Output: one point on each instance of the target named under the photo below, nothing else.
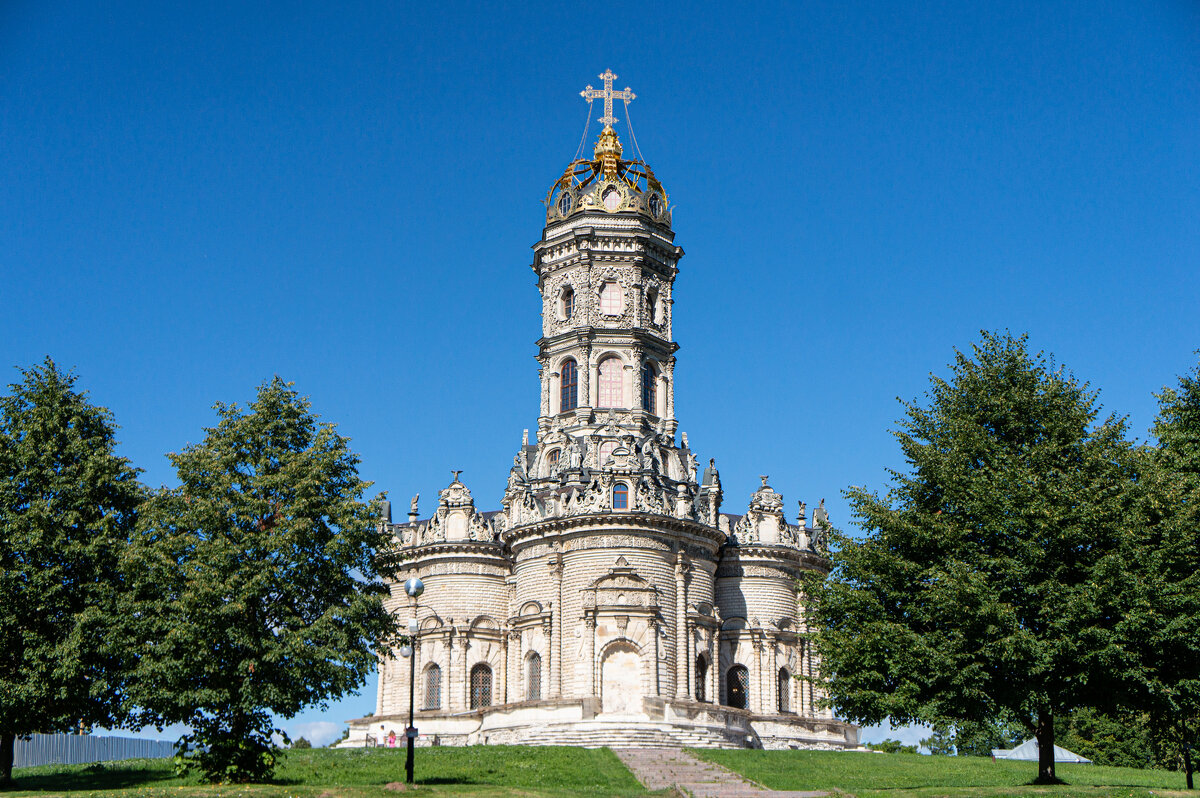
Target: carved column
(544, 376)
(556, 571)
(635, 378)
(774, 677)
(503, 665)
(589, 628)
(384, 679)
(669, 400)
(464, 645)
(681, 636)
(654, 627)
(756, 678)
(586, 371)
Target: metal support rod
(412, 680)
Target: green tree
(68, 505)
(1121, 739)
(890, 746)
(301, 743)
(983, 585)
(940, 741)
(1163, 593)
(255, 583)
(978, 738)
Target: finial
(456, 473)
(608, 95)
(764, 479)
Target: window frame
(621, 489)
(568, 389)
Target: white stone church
(610, 600)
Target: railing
(77, 749)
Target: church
(611, 600)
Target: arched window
(567, 307)
(701, 676)
(606, 450)
(620, 496)
(649, 389)
(612, 386)
(481, 686)
(652, 306)
(552, 458)
(533, 677)
(569, 395)
(433, 687)
(611, 301)
(785, 690)
(737, 687)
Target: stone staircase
(628, 735)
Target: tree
(68, 504)
(974, 738)
(301, 743)
(984, 584)
(940, 741)
(890, 746)
(255, 583)
(1122, 739)
(1163, 593)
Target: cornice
(609, 523)
(412, 556)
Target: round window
(654, 204)
(564, 202)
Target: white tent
(1028, 752)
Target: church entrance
(621, 681)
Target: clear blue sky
(195, 197)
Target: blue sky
(195, 197)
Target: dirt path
(659, 768)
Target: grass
(512, 771)
(481, 771)
(897, 775)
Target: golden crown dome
(608, 183)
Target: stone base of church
(663, 723)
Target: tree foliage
(978, 738)
(891, 746)
(68, 505)
(983, 585)
(255, 583)
(1120, 739)
(1162, 593)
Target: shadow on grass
(93, 777)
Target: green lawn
(896, 775)
(362, 773)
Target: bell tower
(606, 266)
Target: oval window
(611, 199)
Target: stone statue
(412, 507)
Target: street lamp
(414, 587)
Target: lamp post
(414, 587)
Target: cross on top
(608, 95)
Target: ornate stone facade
(609, 599)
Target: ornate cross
(608, 94)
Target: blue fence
(77, 749)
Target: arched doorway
(738, 684)
(621, 681)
